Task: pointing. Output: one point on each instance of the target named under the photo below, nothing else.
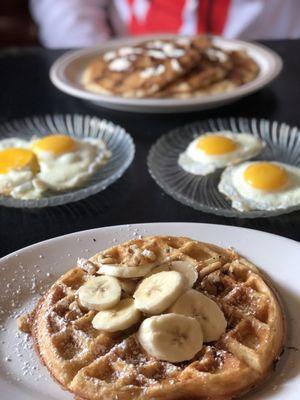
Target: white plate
(66, 73)
(25, 272)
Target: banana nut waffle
(169, 68)
(159, 318)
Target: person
(81, 23)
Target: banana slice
(207, 312)
(121, 317)
(160, 268)
(124, 271)
(128, 285)
(157, 292)
(187, 270)
(100, 293)
(171, 337)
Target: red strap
(163, 16)
(202, 16)
(219, 13)
(166, 16)
(212, 16)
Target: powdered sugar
(157, 54)
(23, 362)
(86, 265)
(149, 254)
(119, 64)
(126, 51)
(175, 65)
(153, 71)
(171, 51)
(110, 55)
(183, 41)
(217, 54)
(24, 278)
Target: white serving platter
(67, 70)
(27, 272)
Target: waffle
(244, 68)
(142, 70)
(147, 70)
(98, 365)
(214, 67)
(214, 75)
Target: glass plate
(118, 141)
(201, 192)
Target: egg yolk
(216, 144)
(265, 176)
(56, 144)
(18, 159)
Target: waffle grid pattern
(153, 69)
(98, 365)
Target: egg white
(20, 183)
(57, 172)
(196, 162)
(14, 142)
(244, 197)
(72, 169)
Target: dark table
(26, 90)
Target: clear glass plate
(118, 141)
(201, 192)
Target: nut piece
(23, 323)
(86, 265)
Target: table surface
(135, 198)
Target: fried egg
(56, 162)
(14, 142)
(215, 150)
(65, 162)
(18, 170)
(261, 185)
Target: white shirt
(81, 23)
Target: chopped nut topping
(149, 254)
(86, 265)
(24, 323)
(107, 260)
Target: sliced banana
(171, 337)
(124, 271)
(121, 317)
(157, 292)
(100, 293)
(207, 312)
(160, 268)
(128, 285)
(187, 270)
